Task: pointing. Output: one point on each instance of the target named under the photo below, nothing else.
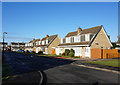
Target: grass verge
(112, 62)
(6, 71)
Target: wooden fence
(104, 53)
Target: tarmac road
(58, 70)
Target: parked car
(20, 50)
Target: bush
(40, 52)
(63, 54)
(67, 51)
(71, 54)
(27, 51)
(60, 54)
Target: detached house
(83, 40)
(48, 44)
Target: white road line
(41, 78)
(98, 68)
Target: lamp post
(3, 42)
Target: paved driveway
(58, 70)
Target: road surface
(58, 70)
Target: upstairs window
(61, 40)
(64, 40)
(46, 41)
(91, 35)
(72, 39)
(83, 38)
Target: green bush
(27, 51)
(71, 54)
(67, 51)
(63, 54)
(40, 52)
(60, 54)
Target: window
(83, 38)
(43, 42)
(46, 41)
(71, 39)
(64, 40)
(91, 35)
(61, 40)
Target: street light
(3, 42)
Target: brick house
(83, 40)
(29, 46)
(48, 44)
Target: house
(48, 44)
(5, 46)
(118, 43)
(29, 46)
(15, 46)
(83, 40)
(36, 43)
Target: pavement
(31, 78)
(79, 62)
(56, 70)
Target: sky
(24, 21)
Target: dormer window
(64, 40)
(91, 35)
(82, 37)
(46, 41)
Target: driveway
(58, 70)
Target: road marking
(41, 78)
(98, 68)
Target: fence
(113, 55)
(96, 53)
(104, 53)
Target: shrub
(63, 54)
(40, 52)
(60, 54)
(27, 51)
(71, 54)
(67, 51)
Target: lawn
(113, 62)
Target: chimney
(47, 35)
(79, 30)
(33, 39)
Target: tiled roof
(85, 31)
(4, 43)
(37, 40)
(16, 43)
(80, 43)
(39, 45)
(49, 38)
